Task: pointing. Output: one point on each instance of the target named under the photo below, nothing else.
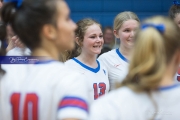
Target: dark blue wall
(105, 11)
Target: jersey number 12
(30, 106)
(102, 87)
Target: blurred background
(104, 11)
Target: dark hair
(2, 48)
(82, 26)
(28, 19)
(175, 9)
(104, 50)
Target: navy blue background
(105, 11)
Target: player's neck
(126, 52)
(169, 74)
(88, 59)
(49, 53)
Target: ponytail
(148, 65)
(18, 13)
(154, 49)
(7, 15)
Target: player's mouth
(97, 46)
(130, 40)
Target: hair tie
(176, 3)
(18, 2)
(159, 27)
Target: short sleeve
(74, 101)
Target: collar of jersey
(44, 62)
(121, 56)
(95, 70)
(169, 87)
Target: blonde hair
(152, 52)
(122, 17)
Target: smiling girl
(89, 41)
(116, 61)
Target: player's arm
(75, 102)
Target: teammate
(174, 12)
(45, 90)
(148, 92)
(89, 41)
(116, 61)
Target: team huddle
(137, 81)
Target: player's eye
(127, 30)
(93, 37)
(101, 36)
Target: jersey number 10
(30, 106)
(102, 87)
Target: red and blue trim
(73, 102)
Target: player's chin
(71, 45)
(130, 43)
(97, 52)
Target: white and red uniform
(125, 104)
(117, 66)
(97, 78)
(43, 91)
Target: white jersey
(124, 104)
(43, 91)
(97, 78)
(19, 52)
(117, 66)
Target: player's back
(124, 104)
(42, 92)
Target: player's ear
(77, 40)
(116, 33)
(49, 32)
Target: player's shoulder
(123, 92)
(70, 62)
(173, 88)
(19, 52)
(113, 102)
(108, 54)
